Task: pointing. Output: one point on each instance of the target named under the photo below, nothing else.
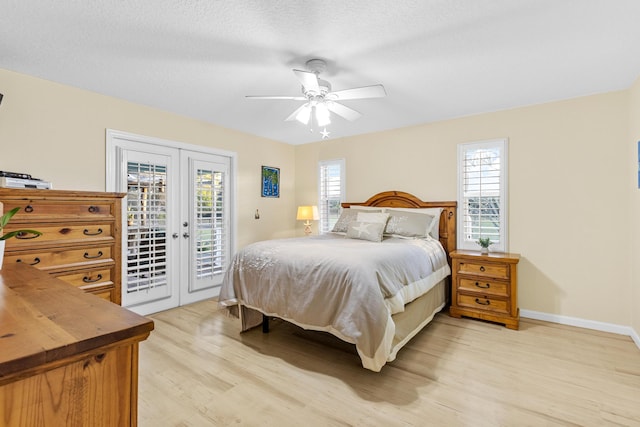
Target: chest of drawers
(485, 287)
(80, 241)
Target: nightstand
(485, 286)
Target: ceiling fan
(321, 100)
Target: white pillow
(408, 224)
(348, 215)
(434, 228)
(380, 218)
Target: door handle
(175, 235)
(185, 235)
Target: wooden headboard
(400, 199)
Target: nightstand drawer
(482, 303)
(484, 287)
(498, 271)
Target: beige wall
(568, 190)
(634, 137)
(57, 133)
(570, 203)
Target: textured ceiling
(437, 59)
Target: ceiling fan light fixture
(304, 115)
(319, 99)
(322, 114)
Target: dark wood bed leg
(265, 324)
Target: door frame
(112, 161)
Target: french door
(178, 220)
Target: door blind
(210, 224)
(146, 226)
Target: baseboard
(583, 323)
(635, 337)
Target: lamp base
(307, 228)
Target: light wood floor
(196, 369)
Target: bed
(376, 294)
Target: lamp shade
(307, 213)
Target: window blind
(331, 192)
(482, 193)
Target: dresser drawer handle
(93, 209)
(35, 261)
(88, 233)
(28, 234)
(28, 209)
(87, 256)
(482, 268)
(486, 302)
(86, 279)
(486, 286)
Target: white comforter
(347, 287)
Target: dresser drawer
(498, 271)
(484, 287)
(43, 210)
(482, 303)
(87, 278)
(56, 234)
(54, 258)
(105, 294)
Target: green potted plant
(4, 220)
(484, 243)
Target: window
(331, 192)
(482, 193)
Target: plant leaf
(4, 219)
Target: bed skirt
(416, 315)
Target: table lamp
(307, 213)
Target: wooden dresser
(66, 357)
(80, 241)
(485, 286)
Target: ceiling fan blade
(299, 111)
(343, 111)
(375, 91)
(293, 98)
(309, 80)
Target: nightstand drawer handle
(486, 286)
(486, 302)
(482, 268)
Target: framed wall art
(270, 181)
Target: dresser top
(43, 320)
(28, 193)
